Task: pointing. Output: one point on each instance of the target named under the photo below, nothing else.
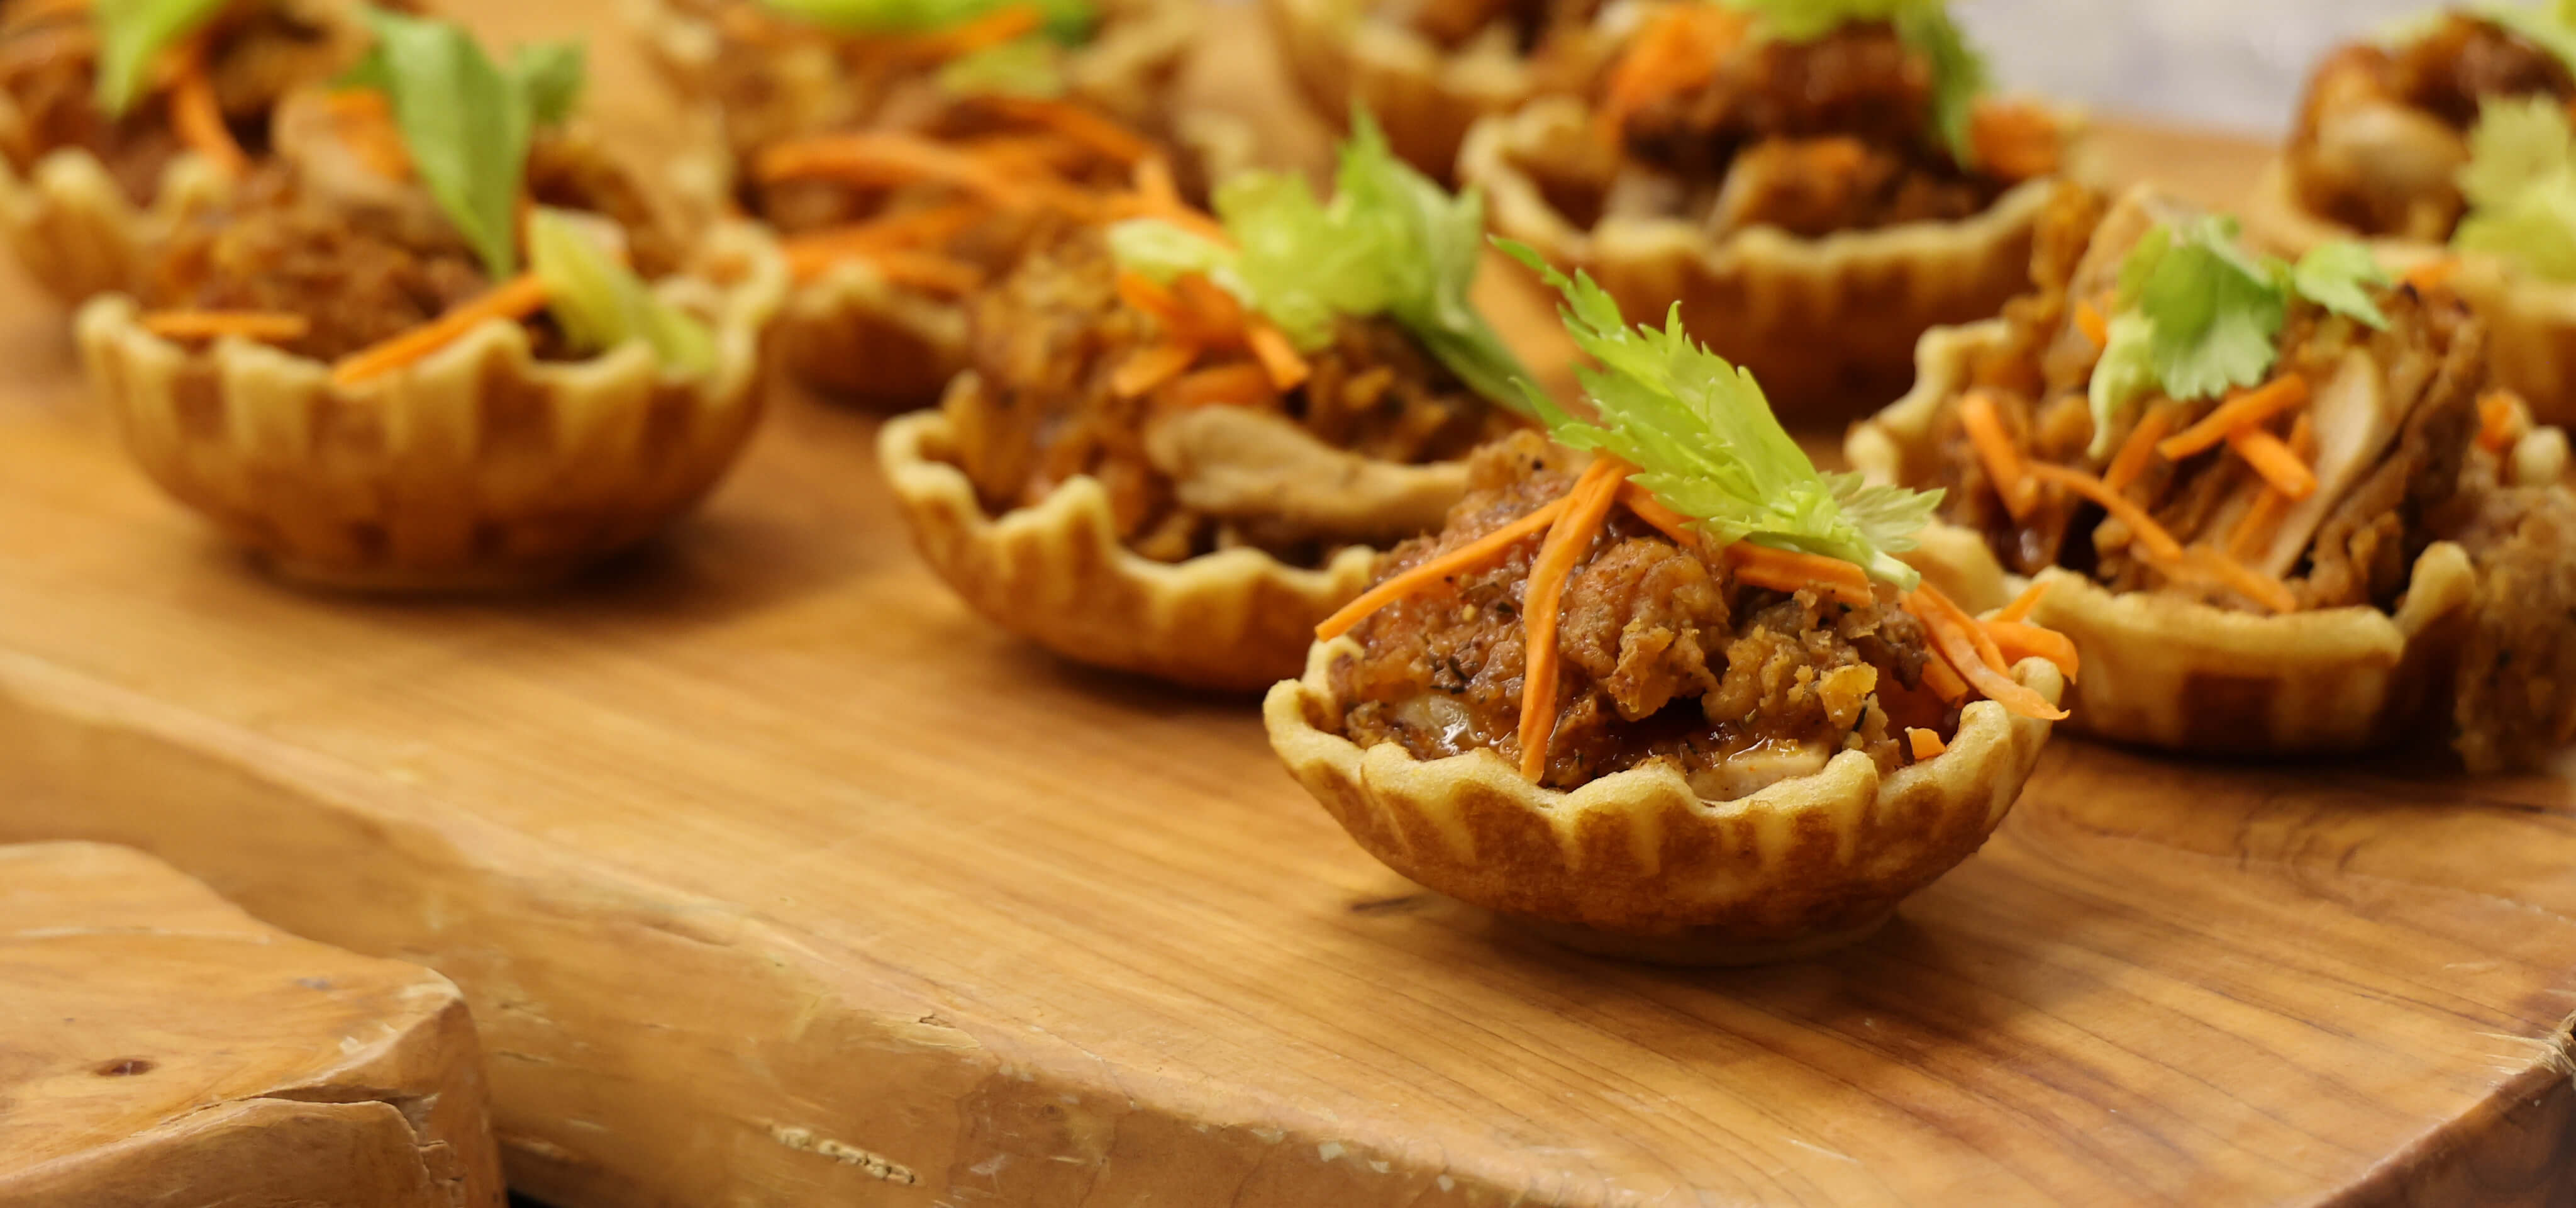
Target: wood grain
(775, 878)
(160, 1047)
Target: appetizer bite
(909, 153)
(1815, 183)
(2276, 506)
(1662, 687)
(437, 339)
(117, 119)
(2449, 147)
(1181, 441)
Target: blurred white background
(2234, 64)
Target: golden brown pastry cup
(1056, 573)
(1636, 864)
(78, 234)
(1424, 97)
(2531, 323)
(2162, 671)
(478, 468)
(1828, 325)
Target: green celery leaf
(2340, 276)
(2521, 185)
(131, 36)
(2536, 230)
(1433, 244)
(601, 304)
(1067, 21)
(2217, 311)
(467, 121)
(1020, 67)
(1705, 442)
(1299, 262)
(2125, 374)
(1162, 251)
(1959, 76)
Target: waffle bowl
(2162, 671)
(2531, 323)
(1637, 865)
(1828, 325)
(78, 234)
(1237, 620)
(1425, 98)
(478, 468)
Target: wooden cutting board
(776, 878)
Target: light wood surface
(775, 878)
(159, 1047)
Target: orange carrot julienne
(2244, 409)
(2260, 520)
(2500, 421)
(513, 300)
(1996, 451)
(364, 121)
(1792, 570)
(886, 158)
(2024, 604)
(1241, 384)
(1958, 639)
(2160, 545)
(1924, 743)
(909, 267)
(270, 327)
(1568, 540)
(1213, 315)
(1154, 298)
(1082, 127)
(1679, 50)
(2015, 141)
(2244, 580)
(2018, 640)
(1148, 368)
(1278, 357)
(2089, 320)
(1421, 578)
(1944, 682)
(983, 33)
(198, 115)
(1644, 506)
(911, 228)
(2140, 447)
(2272, 459)
(2432, 274)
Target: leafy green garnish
(601, 304)
(132, 34)
(1390, 242)
(2199, 316)
(467, 120)
(2521, 187)
(1020, 67)
(1706, 443)
(1067, 21)
(1959, 74)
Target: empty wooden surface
(775, 878)
(159, 1047)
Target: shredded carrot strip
(2260, 520)
(2089, 320)
(2019, 640)
(1154, 184)
(910, 228)
(1149, 367)
(2160, 545)
(885, 158)
(1679, 51)
(1643, 504)
(1154, 298)
(2015, 141)
(2432, 274)
(1958, 638)
(1076, 124)
(1791, 570)
(514, 300)
(2499, 420)
(1424, 577)
(364, 121)
(1925, 743)
(2245, 409)
(272, 327)
(1568, 540)
(1996, 451)
(1278, 357)
(2024, 604)
(2272, 459)
(2141, 446)
(984, 32)
(2244, 580)
(1213, 315)
(1944, 682)
(199, 117)
(1241, 384)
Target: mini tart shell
(1828, 325)
(1056, 573)
(478, 468)
(78, 234)
(2531, 323)
(1425, 98)
(1636, 864)
(2177, 674)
